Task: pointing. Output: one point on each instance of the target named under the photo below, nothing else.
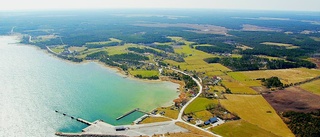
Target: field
(286, 76)
(313, 87)
(244, 47)
(287, 46)
(78, 49)
(42, 38)
(169, 112)
(203, 115)
(247, 27)
(239, 88)
(207, 29)
(316, 38)
(154, 119)
(194, 59)
(199, 104)
(294, 99)
(119, 49)
(194, 132)
(257, 111)
(241, 128)
(57, 49)
(144, 73)
(105, 42)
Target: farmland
(241, 128)
(293, 99)
(257, 111)
(313, 87)
(199, 104)
(144, 73)
(287, 76)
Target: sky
(286, 5)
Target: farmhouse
(211, 121)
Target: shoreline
(117, 70)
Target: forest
(303, 124)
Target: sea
(35, 84)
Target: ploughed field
(293, 99)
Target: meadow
(241, 128)
(199, 104)
(313, 87)
(257, 111)
(286, 76)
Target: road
(188, 103)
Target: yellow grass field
(287, 76)
(239, 88)
(313, 87)
(203, 115)
(105, 42)
(257, 111)
(238, 76)
(154, 119)
(218, 88)
(244, 47)
(241, 128)
(57, 49)
(214, 73)
(288, 46)
(315, 38)
(78, 49)
(169, 113)
(119, 49)
(193, 132)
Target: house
(211, 121)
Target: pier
(126, 114)
(78, 119)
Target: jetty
(128, 113)
(77, 119)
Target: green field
(144, 73)
(57, 49)
(313, 87)
(199, 104)
(241, 128)
(257, 111)
(238, 76)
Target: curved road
(188, 103)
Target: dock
(77, 119)
(84, 121)
(128, 113)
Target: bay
(33, 84)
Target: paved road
(186, 105)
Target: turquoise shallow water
(34, 84)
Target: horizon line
(147, 8)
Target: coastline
(117, 70)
